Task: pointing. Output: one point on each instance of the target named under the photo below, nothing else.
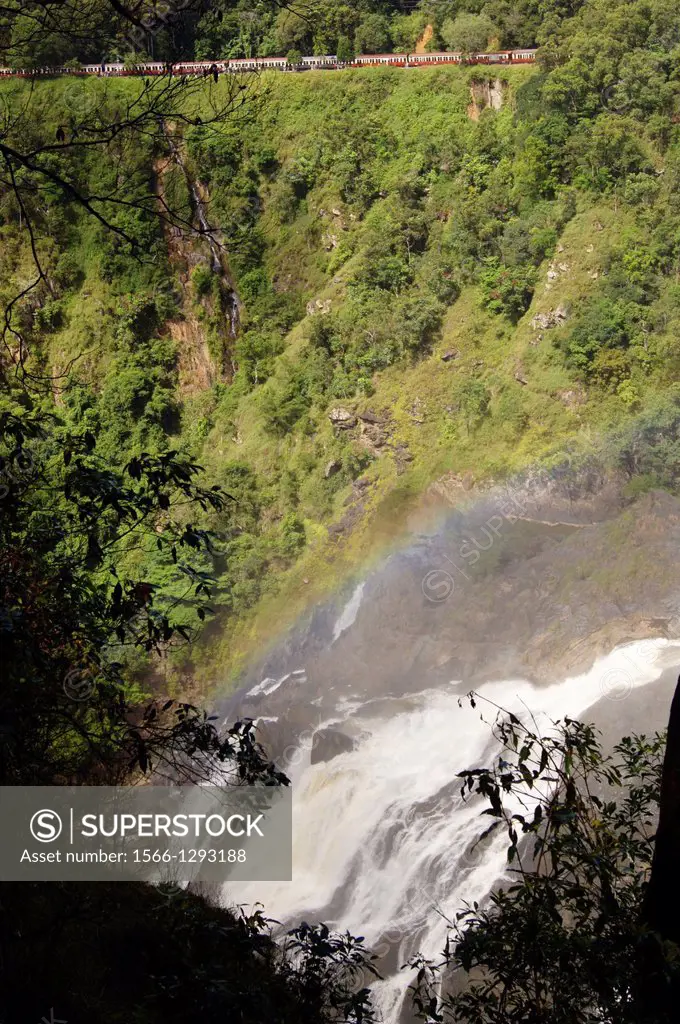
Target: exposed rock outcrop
(200, 364)
(329, 743)
(373, 436)
(553, 318)
(342, 418)
(319, 306)
(484, 95)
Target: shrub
(201, 279)
(474, 398)
(603, 324)
(507, 290)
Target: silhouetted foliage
(565, 939)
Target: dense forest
(245, 324)
(239, 28)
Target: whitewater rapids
(383, 845)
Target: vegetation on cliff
(578, 933)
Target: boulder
(332, 467)
(373, 436)
(450, 355)
(572, 397)
(342, 418)
(553, 318)
(329, 743)
(318, 306)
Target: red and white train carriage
(250, 64)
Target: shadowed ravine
(361, 705)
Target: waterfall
(383, 845)
(206, 230)
(349, 613)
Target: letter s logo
(45, 826)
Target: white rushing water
(349, 613)
(382, 843)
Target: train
(249, 64)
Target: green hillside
(481, 263)
(403, 220)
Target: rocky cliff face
(484, 95)
(208, 323)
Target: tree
(468, 33)
(474, 400)
(125, 951)
(345, 50)
(373, 35)
(406, 30)
(570, 937)
(505, 289)
(293, 32)
(74, 609)
(661, 907)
